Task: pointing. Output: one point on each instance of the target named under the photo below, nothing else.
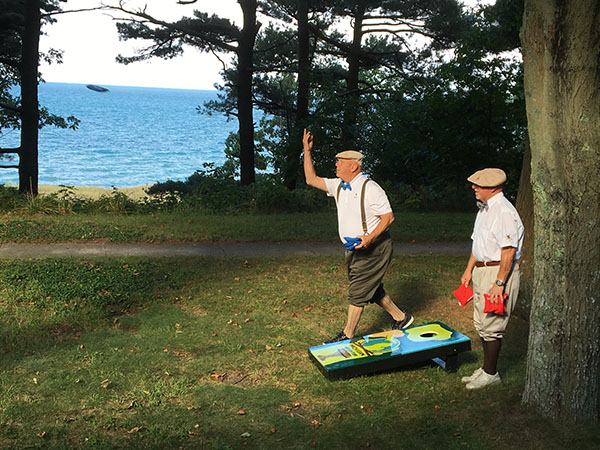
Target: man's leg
(354, 313)
(392, 309)
(491, 351)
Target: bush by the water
(213, 192)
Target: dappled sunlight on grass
(212, 353)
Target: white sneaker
(472, 376)
(484, 380)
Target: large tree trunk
(525, 207)
(30, 116)
(244, 91)
(352, 93)
(561, 42)
(295, 148)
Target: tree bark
(525, 207)
(30, 115)
(561, 42)
(353, 97)
(244, 91)
(295, 148)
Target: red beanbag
(464, 294)
(496, 308)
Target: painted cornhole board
(391, 349)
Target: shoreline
(95, 192)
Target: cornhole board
(391, 349)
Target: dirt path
(245, 249)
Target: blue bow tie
(345, 185)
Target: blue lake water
(128, 136)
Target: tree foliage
(22, 22)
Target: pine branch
(199, 30)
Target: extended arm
(309, 169)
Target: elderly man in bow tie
(364, 217)
(493, 269)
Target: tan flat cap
(488, 177)
(350, 154)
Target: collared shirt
(348, 205)
(496, 227)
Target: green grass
(182, 227)
(143, 353)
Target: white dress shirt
(348, 205)
(496, 227)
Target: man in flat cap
(364, 218)
(493, 269)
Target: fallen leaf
(308, 308)
(247, 320)
(166, 350)
(437, 406)
(268, 347)
(315, 423)
(272, 430)
(368, 410)
(241, 412)
(42, 434)
(135, 430)
(245, 435)
(294, 315)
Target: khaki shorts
(366, 269)
(492, 326)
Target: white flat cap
(350, 154)
(488, 177)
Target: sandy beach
(95, 192)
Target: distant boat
(93, 87)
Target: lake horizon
(128, 136)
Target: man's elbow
(391, 219)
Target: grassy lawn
(182, 227)
(212, 353)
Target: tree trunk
(244, 91)
(295, 147)
(30, 116)
(562, 89)
(353, 97)
(525, 207)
